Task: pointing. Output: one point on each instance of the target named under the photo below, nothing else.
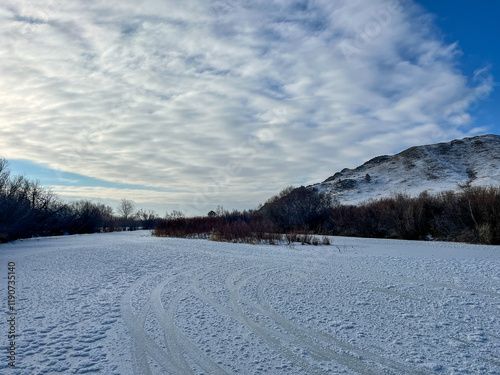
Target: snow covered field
(129, 303)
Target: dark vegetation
(28, 209)
(470, 215)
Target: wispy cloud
(224, 98)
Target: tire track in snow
(395, 274)
(449, 286)
(172, 359)
(178, 344)
(280, 337)
(144, 344)
(292, 334)
(171, 333)
(306, 336)
(268, 335)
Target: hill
(473, 161)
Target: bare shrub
(291, 238)
(471, 215)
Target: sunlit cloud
(227, 101)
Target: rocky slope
(433, 168)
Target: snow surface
(129, 303)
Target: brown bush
(470, 215)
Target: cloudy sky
(192, 104)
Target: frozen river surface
(129, 303)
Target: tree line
(470, 215)
(29, 209)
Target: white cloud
(224, 99)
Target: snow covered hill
(435, 168)
(131, 304)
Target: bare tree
(126, 208)
(221, 211)
(4, 173)
(148, 218)
(174, 215)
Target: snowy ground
(128, 303)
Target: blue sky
(194, 104)
(471, 24)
